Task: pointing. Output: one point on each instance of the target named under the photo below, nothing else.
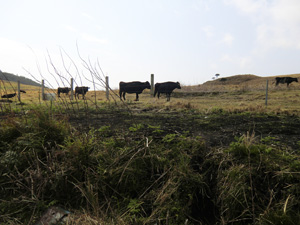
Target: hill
(4, 76)
(248, 79)
(233, 80)
(246, 82)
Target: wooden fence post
(152, 85)
(107, 87)
(267, 93)
(72, 91)
(43, 89)
(19, 95)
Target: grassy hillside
(244, 82)
(234, 80)
(11, 77)
(32, 92)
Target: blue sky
(179, 40)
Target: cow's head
(148, 85)
(178, 85)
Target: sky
(128, 40)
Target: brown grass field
(237, 93)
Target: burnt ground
(217, 129)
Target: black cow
(166, 87)
(286, 80)
(133, 87)
(65, 90)
(8, 96)
(81, 91)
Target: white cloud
(227, 39)
(277, 22)
(70, 28)
(226, 58)
(209, 31)
(237, 62)
(201, 5)
(86, 36)
(247, 6)
(245, 62)
(86, 15)
(213, 66)
(282, 29)
(14, 55)
(92, 38)
(286, 11)
(23, 60)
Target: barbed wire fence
(67, 75)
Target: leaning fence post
(43, 89)
(72, 87)
(267, 93)
(107, 87)
(152, 85)
(19, 96)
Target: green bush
(256, 182)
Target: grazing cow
(133, 87)
(8, 96)
(81, 91)
(65, 90)
(23, 91)
(286, 80)
(166, 87)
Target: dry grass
(242, 83)
(237, 93)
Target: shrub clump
(259, 184)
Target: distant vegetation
(11, 77)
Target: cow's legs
(168, 96)
(137, 97)
(124, 95)
(158, 94)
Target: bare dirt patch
(218, 129)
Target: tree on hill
(23, 80)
